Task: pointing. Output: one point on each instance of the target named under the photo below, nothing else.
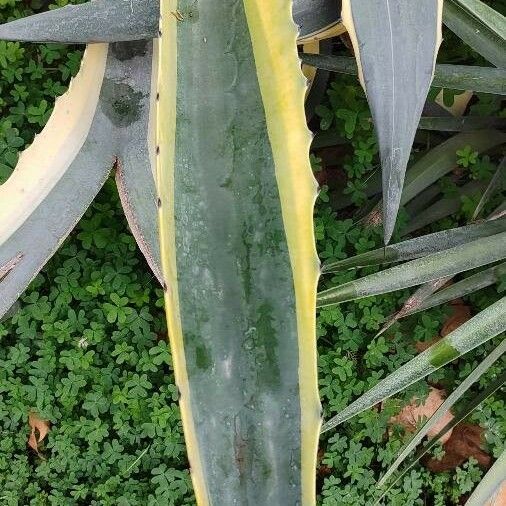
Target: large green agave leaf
(95, 21)
(315, 16)
(479, 26)
(448, 403)
(457, 77)
(102, 119)
(238, 252)
(478, 330)
(421, 270)
(489, 486)
(385, 36)
(419, 246)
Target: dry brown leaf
(411, 414)
(460, 314)
(465, 442)
(40, 429)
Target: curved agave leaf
(102, 118)
(478, 330)
(438, 415)
(434, 266)
(395, 82)
(315, 16)
(479, 26)
(490, 485)
(419, 246)
(457, 77)
(490, 389)
(95, 21)
(238, 250)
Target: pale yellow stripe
(282, 85)
(166, 130)
(46, 160)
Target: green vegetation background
(86, 348)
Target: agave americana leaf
(95, 21)
(484, 326)
(462, 288)
(498, 179)
(103, 118)
(492, 387)
(315, 16)
(445, 206)
(442, 159)
(238, 252)
(419, 246)
(457, 77)
(461, 124)
(479, 26)
(396, 84)
(421, 270)
(415, 301)
(438, 415)
(9, 265)
(490, 485)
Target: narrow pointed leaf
(462, 288)
(92, 125)
(396, 84)
(434, 266)
(489, 486)
(474, 376)
(463, 413)
(479, 26)
(95, 21)
(497, 181)
(484, 326)
(238, 251)
(457, 77)
(445, 206)
(420, 246)
(461, 124)
(415, 301)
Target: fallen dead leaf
(465, 442)
(460, 314)
(40, 429)
(410, 415)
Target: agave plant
(207, 99)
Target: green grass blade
(419, 246)
(457, 77)
(479, 26)
(462, 288)
(474, 376)
(498, 180)
(395, 82)
(490, 484)
(421, 270)
(96, 21)
(463, 413)
(478, 330)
